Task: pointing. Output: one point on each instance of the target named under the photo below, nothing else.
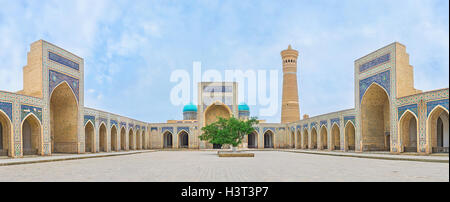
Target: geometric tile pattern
(7, 108)
(164, 129)
(182, 128)
(269, 128)
(123, 124)
(402, 109)
(383, 79)
(335, 120)
(61, 60)
(103, 120)
(113, 122)
(349, 118)
(26, 109)
(89, 118)
(375, 62)
(324, 122)
(55, 78)
(432, 104)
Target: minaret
(290, 110)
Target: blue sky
(131, 47)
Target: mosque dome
(243, 107)
(190, 108)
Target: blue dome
(243, 107)
(189, 108)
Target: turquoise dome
(189, 108)
(243, 107)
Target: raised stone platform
(235, 154)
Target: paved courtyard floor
(205, 166)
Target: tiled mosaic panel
(375, 62)
(56, 78)
(431, 105)
(335, 120)
(7, 108)
(324, 122)
(183, 128)
(265, 129)
(87, 118)
(349, 118)
(64, 61)
(164, 129)
(402, 109)
(383, 79)
(26, 109)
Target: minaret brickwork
(290, 110)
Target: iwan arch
(48, 115)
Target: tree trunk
(233, 148)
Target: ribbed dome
(190, 108)
(243, 107)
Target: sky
(130, 48)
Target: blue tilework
(63, 61)
(55, 78)
(375, 62)
(335, 120)
(7, 108)
(383, 79)
(432, 104)
(26, 109)
(402, 109)
(183, 128)
(164, 129)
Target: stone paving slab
(61, 157)
(206, 166)
(441, 158)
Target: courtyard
(206, 166)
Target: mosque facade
(48, 115)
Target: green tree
(228, 131)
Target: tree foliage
(229, 131)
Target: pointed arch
(6, 135)
(89, 137)
(269, 139)
(375, 84)
(335, 137)
(144, 139)
(313, 138)
(131, 139)
(252, 140)
(408, 130)
(324, 137)
(63, 119)
(114, 133)
(292, 145)
(31, 135)
(103, 138)
(305, 138)
(138, 139)
(183, 139)
(167, 140)
(68, 85)
(123, 139)
(437, 134)
(375, 119)
(349, 133)
(215, 110)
